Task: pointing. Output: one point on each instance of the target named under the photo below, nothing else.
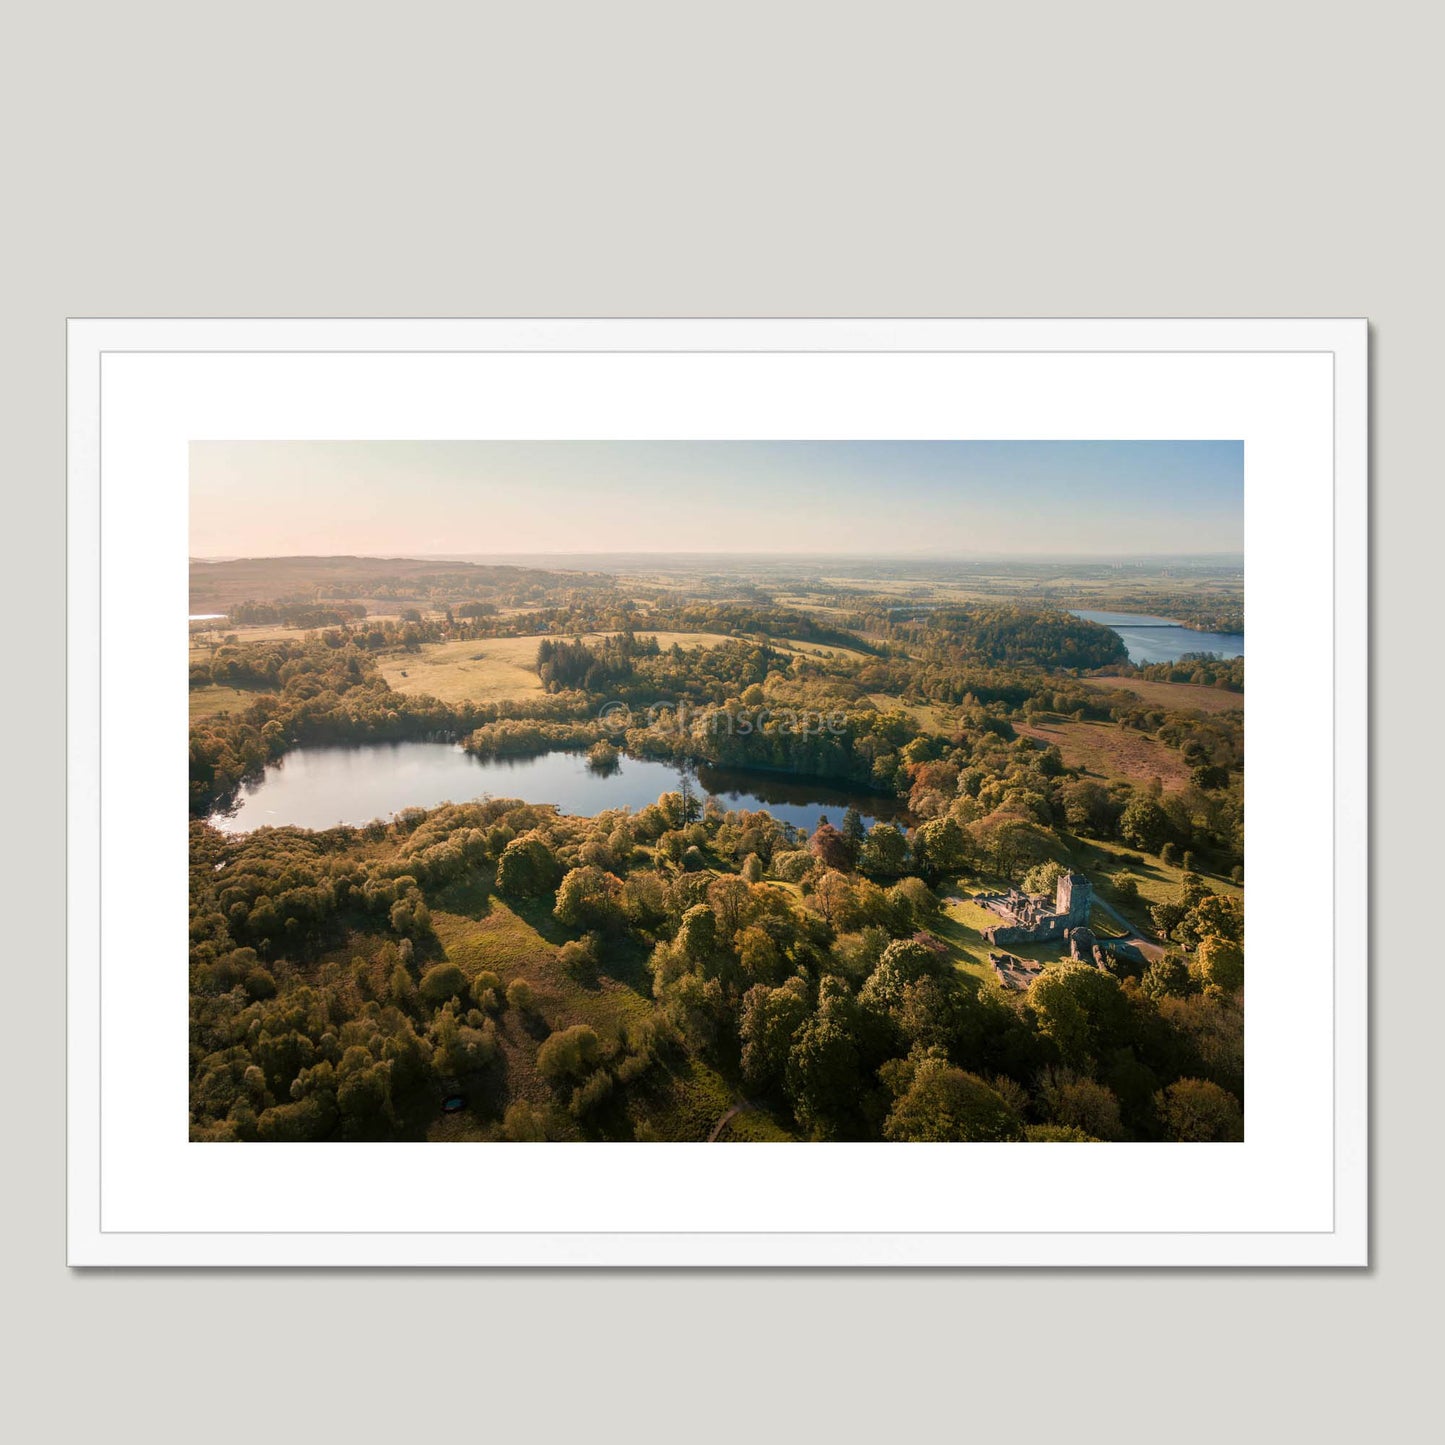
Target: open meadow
(1171, 695)
(1106, 750)
(501, 669)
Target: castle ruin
(1035, 918)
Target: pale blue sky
(892, 498)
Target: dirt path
(726, 1120)
(1147, 946)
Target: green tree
(1043, 877)
(486, 989)
(441, 982)
(525, 1123)
(940, 847)
(944, 1103)
(760, 957)
(1143, 824)
(1217, 914)
(1221, 962)
(1081, 1103)
(885, 853)
(527, 867)
(1081, 1010)
(697, 938)
(1057, 1134)
(731, 900)
(822, 1076)
(568, 1054)
(589, 898)
(903, 962)
(1166, 977)
(1197, 1111)
(770, 1019)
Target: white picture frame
(1294, 1193)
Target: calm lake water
(320, 787)
(1161, 639)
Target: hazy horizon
(926, 501)
(1124, 558)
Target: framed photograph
(717, 792)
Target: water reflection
(320, 787)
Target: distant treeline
(297, 613)
(1004, 634)
(220, 586)
(1201, 668)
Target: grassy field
(496, 669)
(1109, 751)
(926, 714)
(1180, 695)
(961, 928)
(1158, 881)
(204, 642)
(817, 649)
(481, 931)
(212, 700)
(478, 931)
(491, 670)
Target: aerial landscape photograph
(716, 791)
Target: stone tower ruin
(1073, 898)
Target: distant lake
(1162, 639)
(323, 786)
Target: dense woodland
(612, 977)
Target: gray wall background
(749, 159)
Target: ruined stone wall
(1052, 926)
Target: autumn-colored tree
(731, 899)
(832, 896)
(830, 847)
